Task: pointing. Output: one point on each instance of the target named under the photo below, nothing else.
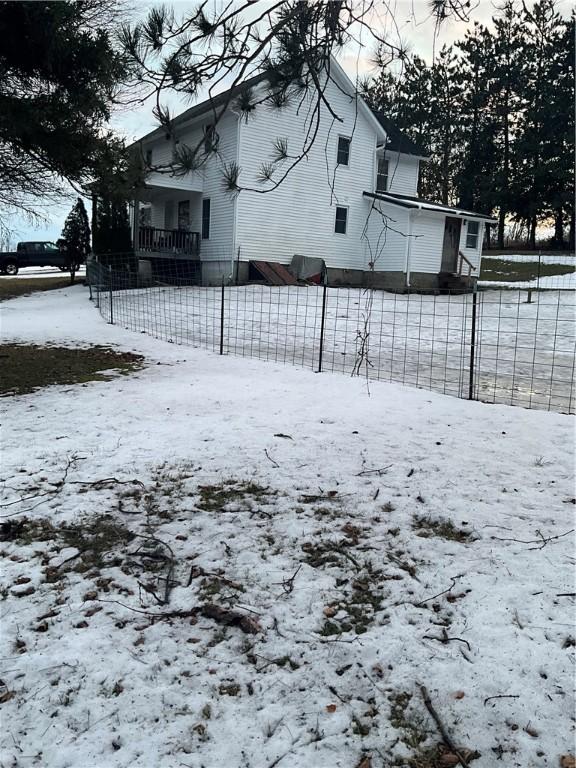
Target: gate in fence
(515, 347)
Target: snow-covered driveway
(372, 544)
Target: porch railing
(461, 261)
(168, 241)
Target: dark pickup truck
(33, 255)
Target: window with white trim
(382, 175)
(472, 233)
(341, 220)
(343, 154)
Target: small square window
(472, 231)
(343, 157)
(206, 218)
(382, 175)
(341, 220)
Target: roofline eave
(415, 204)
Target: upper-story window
(148, 158)
(382, 175)
(472, 232)
(211, 138)
(343, 155)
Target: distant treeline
(496, 114)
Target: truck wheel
(11, 268)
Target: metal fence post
(110, 292)
(322, 322)
(222, 319)
(472, 347)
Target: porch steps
(274, 274)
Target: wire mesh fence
(501, 346)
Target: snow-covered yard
(359, 546)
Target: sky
(408, 22)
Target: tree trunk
(559, 228)
(501, 222)
(571, 239)
(532, 231)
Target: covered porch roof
(418, 203)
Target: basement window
(343, 156)
(341, 221)
(382, 175)
(472, 232)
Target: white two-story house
(348, 208)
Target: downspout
(408, 249)
(234, 263)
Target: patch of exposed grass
(441, 529)
(11, 288)
(28, 367)
(506, 270)
(216, 498)
(94, 537)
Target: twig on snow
(270, 459)
(379, 471)
(440, 725)
(450, 588)
(502, 696)
(445, 639)
(542, 541)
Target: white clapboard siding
(427, 240)
(220, 245)
(386, 237)
(298, 217)
(403, 174)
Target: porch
(166, 223)
(153, 241)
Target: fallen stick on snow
(440, 725)
(542, 541)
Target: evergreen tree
(474, 182)
(545, 144)
(496, 115)
(76, 237)
(59, 72)
(112, 237)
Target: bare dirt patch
(11, 289)
(28, 367)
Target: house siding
(386, 237)
(298, 217)
(403, 173)
(427, 239)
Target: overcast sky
(408, 22)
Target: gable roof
(209, 104)
(228, 95)
(398, 141)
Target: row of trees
(496, 114)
